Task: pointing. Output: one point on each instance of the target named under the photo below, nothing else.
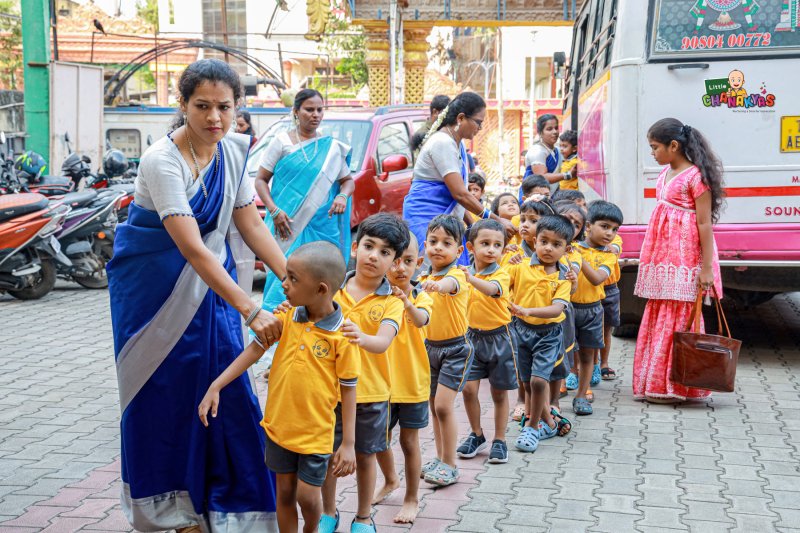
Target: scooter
(28, 247)
(87, 236)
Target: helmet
(74, 166)
(114, 163)
(32, 164)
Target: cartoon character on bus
(731, 93)
(736, 84)
(724, 21)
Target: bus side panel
(593, 125)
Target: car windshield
(354, 133)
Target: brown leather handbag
(702, 360)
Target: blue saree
(428, 199)
(172, 337)
(304, 190)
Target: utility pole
(36, 68)
(392, 52)
(224, 8)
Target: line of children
(378, 350)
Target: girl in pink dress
(679, 255)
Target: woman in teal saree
(309, 199)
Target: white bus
(635, 62)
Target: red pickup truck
(381, 162)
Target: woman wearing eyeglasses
(440, 174)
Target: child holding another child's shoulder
(299, 416)
(411, 383)
(450, 352)
(541, 292)
(373, 317)
(490, 335)
(604, 220)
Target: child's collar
(441, 272)
(332, 322)
(560, 267)
(384, 289)
(488, 271)
(585, 244)
(527, 249)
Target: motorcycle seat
(53, 180)
(78, 199)
(127, 188)
(14, 205)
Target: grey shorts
(310, 468)
(589, 325)
(611, 306)
(372, 427)
(450, 362)
(408, 415)
(495, 357)
(539, 348)
(570, 346)
(560, 370)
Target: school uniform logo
(321, 348)
(375, 313)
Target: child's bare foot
(408, 513)
(384, 492)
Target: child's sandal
(528, 439)
(546, 432)
(328, 524)
(519, 412)
(582, 407)
(608, 374)
(564, 425)
(358, 527)
(430, 466)
(443, 476)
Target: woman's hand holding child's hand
(344, 461)
(352, 332)
(210, 403)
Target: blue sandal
(528, 439)
(430, 466)
(582, 407)
(444, 475)
(358, 527)
(564, 425)
(546, 432)
(328, 524)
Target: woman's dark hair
(542, 121)
(496, 201)
(246, 116)
(450, 224)
(467, 103)
(213, 70)
(306, 94)
(542, 208)
(387, 226)
(698, 151)
(560, 225)
(487, 224)
(565, 207)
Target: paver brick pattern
(731, 464)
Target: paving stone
(706, 511)
(703, 493)
(569, 525)
(478, 521)
(573, 510)
(661, 517)
(789, 517)
(707, 527)
(525, 515)
(746, 523)
(617, 503)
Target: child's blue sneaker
(328, 524)
(596, 376)
(572, 381)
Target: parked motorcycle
(116, 175)
(28, 247)
(87, 236)
(30, 176)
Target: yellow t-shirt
(616, 249)
(524, 250)
(572, 259)
(408, 358)
(599, 260)
(566, 166)
(449, 318)
(532, 287)
(490, 312)
(311, 360)
(516, 239)
(380, 307)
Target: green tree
(11, 41)
(348, 43)
(147, 10)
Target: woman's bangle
(486, 213)
(343, 195)
(252, 316)
(273, 214)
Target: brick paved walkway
(730, 465)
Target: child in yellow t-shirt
(569, 151)
(299, 416)
(373, 317)
(540, 294)
(475, 186)
(411, 383)
(449, 350)
(604, 220)
(488, 318)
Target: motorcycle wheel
(44, 282)
(103, 251)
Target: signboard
(790, 134)
(713, 27)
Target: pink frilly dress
(669, 268)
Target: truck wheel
(44, 281)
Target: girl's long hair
(696, 148)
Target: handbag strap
(722, 321)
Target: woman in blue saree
(544, 157)
(309, 198)
(440, 173)
(177, 315)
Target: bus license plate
(790, 134)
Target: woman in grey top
(440, 173)
(544, 157)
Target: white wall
(520, 43)
(187, 21)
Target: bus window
(598, 37)
(723, 27)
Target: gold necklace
(302, 149)
(197, 167)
